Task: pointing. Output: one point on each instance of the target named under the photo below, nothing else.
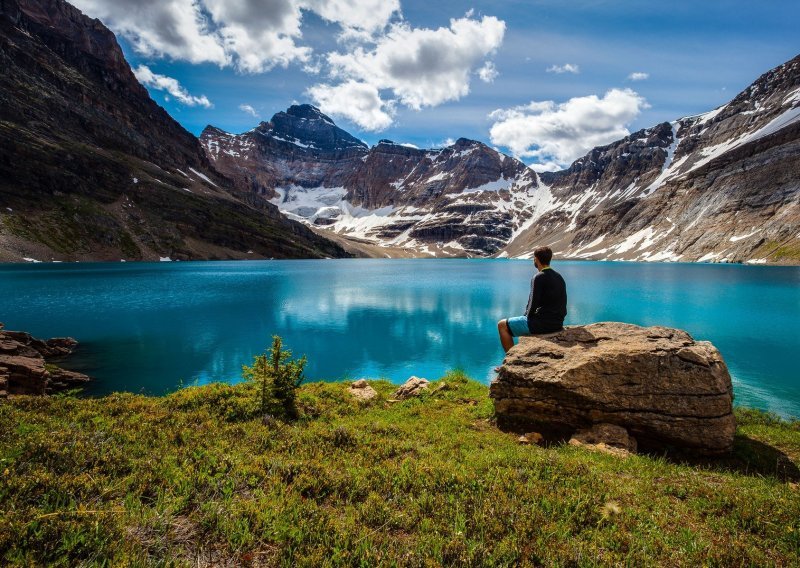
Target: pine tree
(279, 377)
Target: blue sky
(545, 80)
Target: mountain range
(721, 186)
(91, 168)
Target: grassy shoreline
(195, 478)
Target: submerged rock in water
(666, 389)
(26, 368)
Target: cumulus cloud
(313, 66)
(356, 18)
(416, 67)
(252, 35)
(172, 86)
(359, 102)
(488, 72)
(262, 35)
(249, 110)
(556, 134)
(566, 68)
(423, 67)
(156, 28)
(381, 59)
(638, 76)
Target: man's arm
(536, 294)
(534, 298)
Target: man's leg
(506, 339)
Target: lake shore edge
(789, 262)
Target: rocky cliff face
(721, 186)
(301, 147)
(91, 168)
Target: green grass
(73, 225)
(195, 478)
(779, 252)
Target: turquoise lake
(151, 327)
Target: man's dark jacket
(547, 303)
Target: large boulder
(666, 389)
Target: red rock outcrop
(26, 364)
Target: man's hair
(544, 255)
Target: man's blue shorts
(518, 326)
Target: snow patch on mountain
(742, 237)
(785, 119)
(666, 171)
(202, 176)
(497, 185)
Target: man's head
(542, 257)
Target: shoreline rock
(362, 390)
(26, 364)
(412, 387)
(666, 389)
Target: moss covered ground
(196, 478)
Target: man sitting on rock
(547, 303)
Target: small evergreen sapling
(278, 376)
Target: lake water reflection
(152, 326)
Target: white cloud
(252, 35)
(313, 66)
(488, 73)
(249, 110)
(566, 68)
(368, 16)
(359, 102)
(156, 28)
(423, 67)
(417, 67)
(261, 34)
(638, 76)
(381, 59)
(557, 134)
(172, 86)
